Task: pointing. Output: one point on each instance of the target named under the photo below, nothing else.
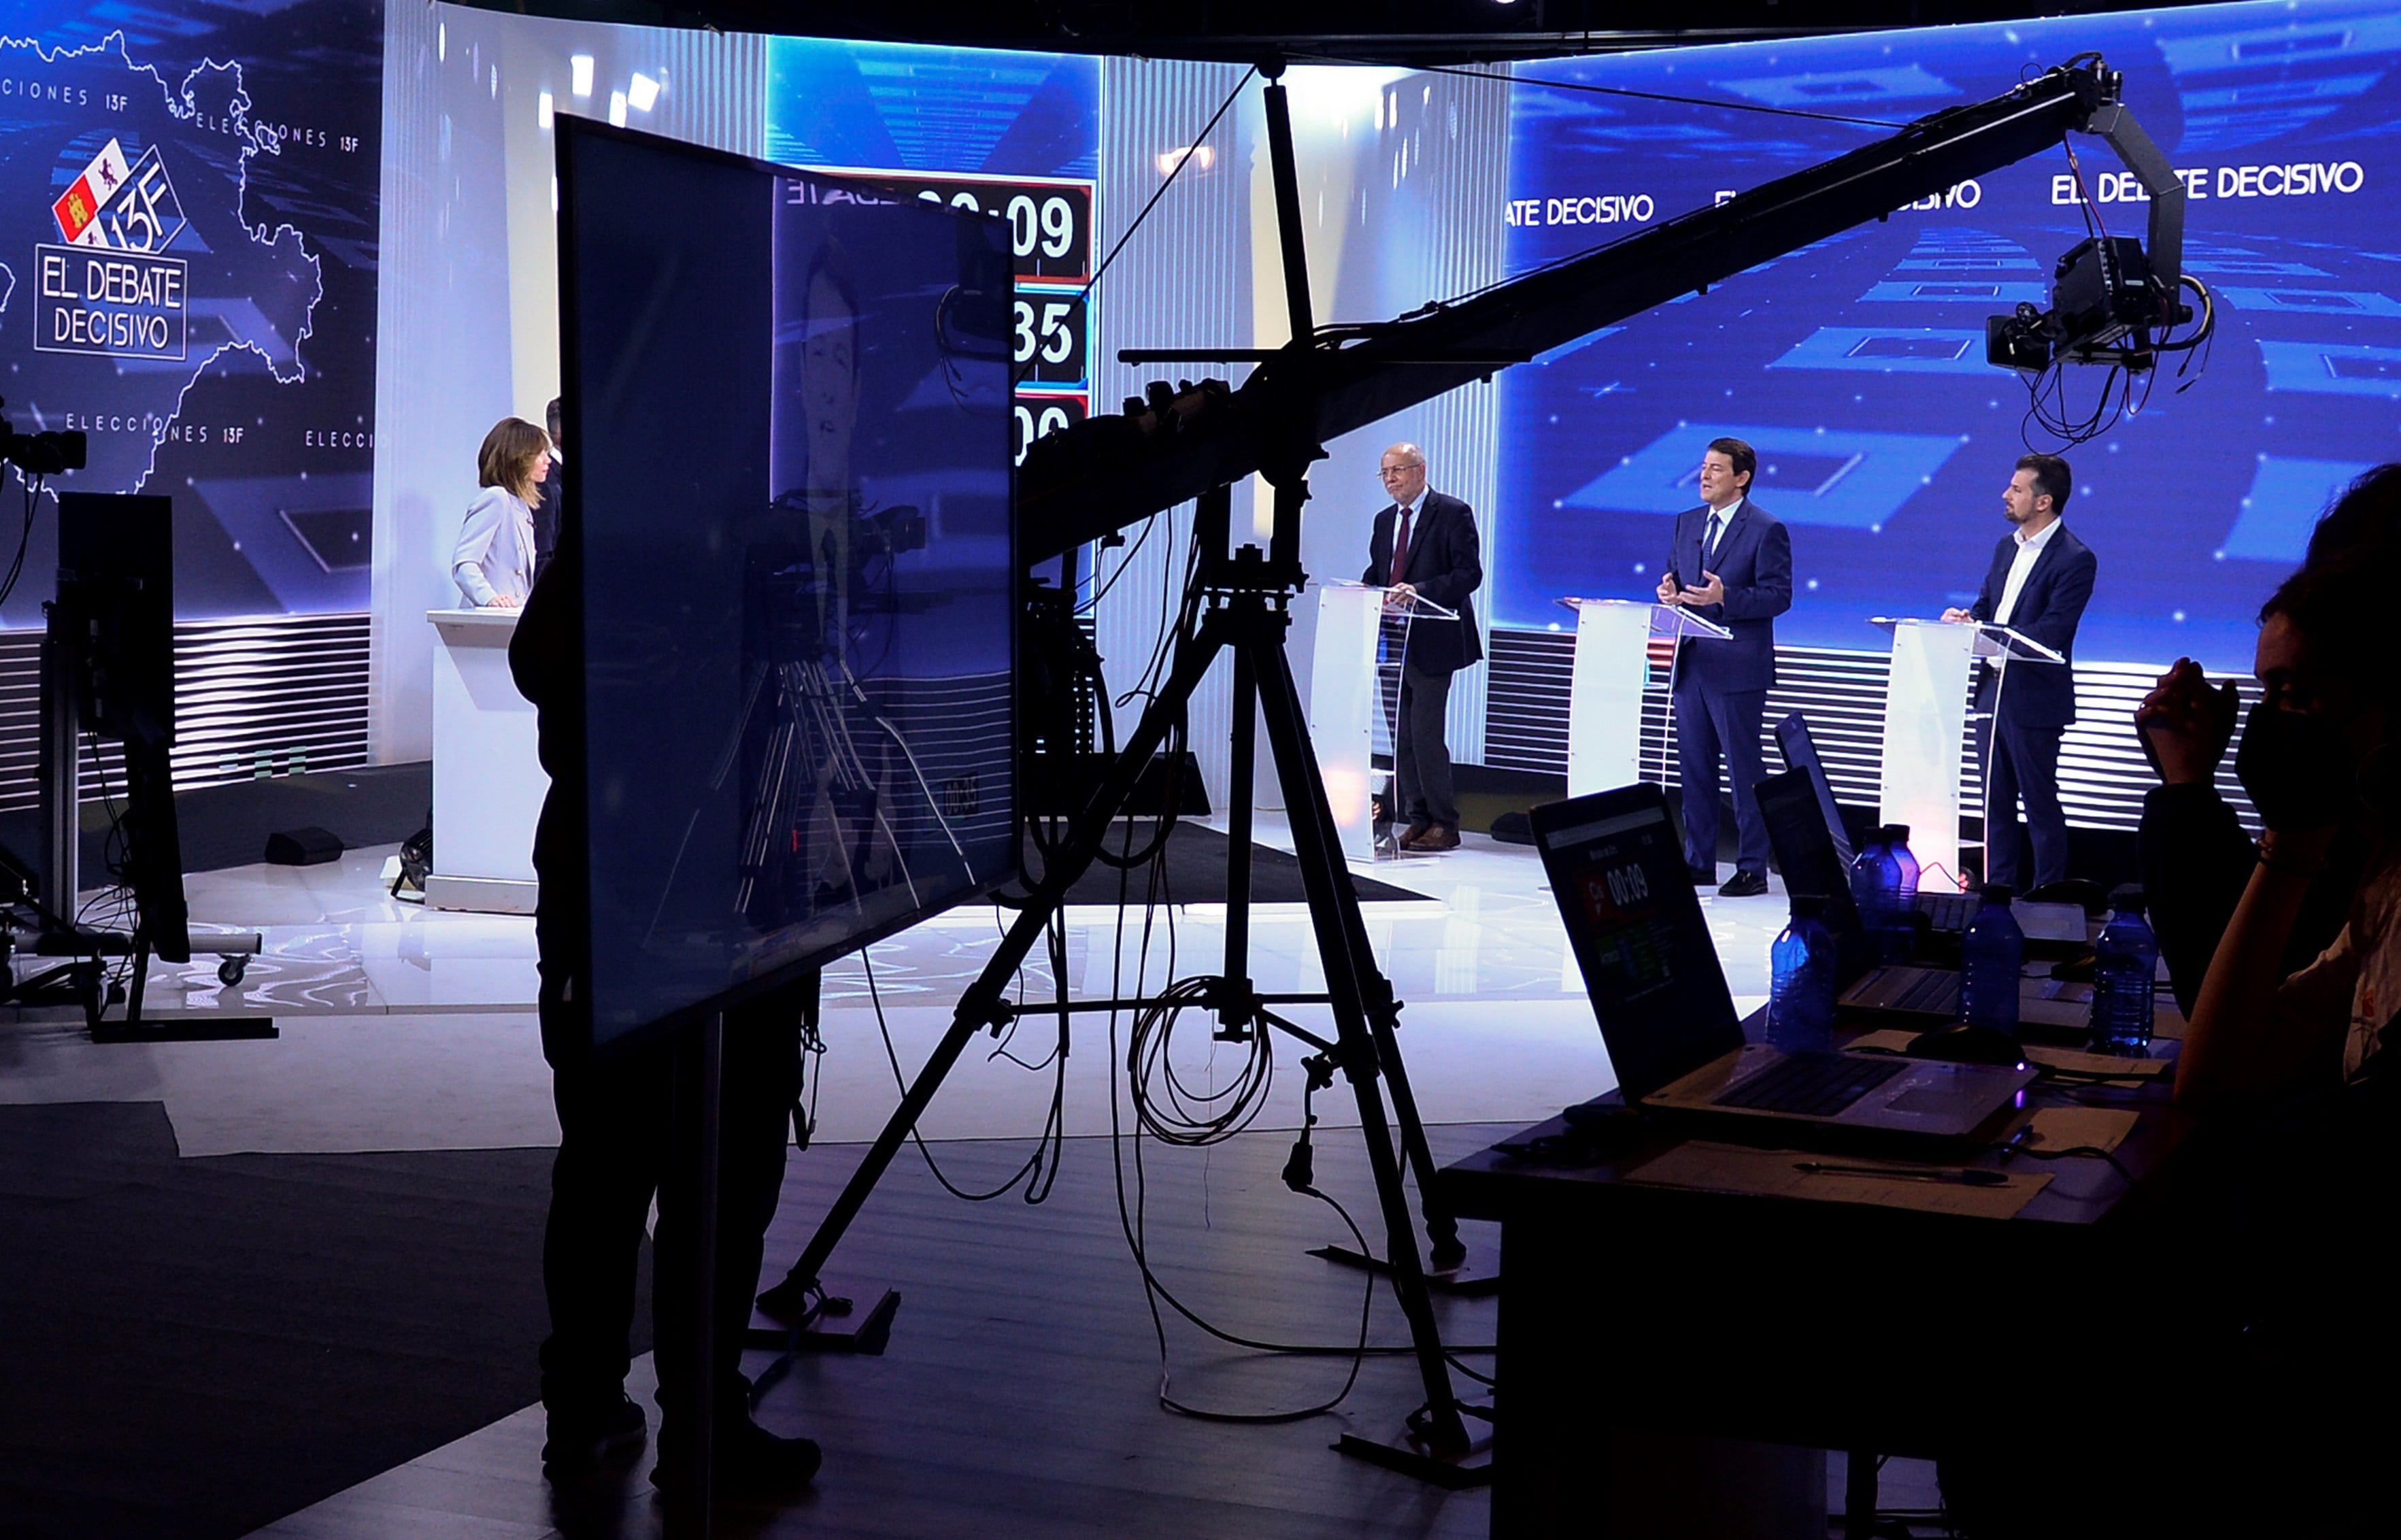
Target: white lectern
(1612, 662)
(487, 780)
(1348, 698)
(1925, 724)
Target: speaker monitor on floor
(308, 845)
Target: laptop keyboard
(1930, 990)
(1950, 911)
(1812, 1085)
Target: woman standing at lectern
(493, 563)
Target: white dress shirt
(1723, 521)
(2029, 552)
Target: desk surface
(1832, 1323)
(1498, 1182)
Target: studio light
(643, 93)
(581, 65)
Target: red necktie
(1401, 550)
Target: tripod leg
(977, 1007)
(1383, 1016)
(1333, 910)
(1238, 847)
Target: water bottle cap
(1808, 906)
(1896, 834)
(2129, 898)
(1999, 892)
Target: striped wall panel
(721, 95)
(273, 695)
(1467, 117)
(1182, 282)
(2102, 772)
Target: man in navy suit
(1424, 546)
(1733, 564)
(2040, 579)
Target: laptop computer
(1616, 866)
(1911, 996)
(1800, 753)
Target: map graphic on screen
(188, 226)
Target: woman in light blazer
(493, 563)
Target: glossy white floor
(404, 1028)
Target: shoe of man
(584, 1435)
(1438, 836)
(1414, 832)
(751, 1463)
(1744, 884)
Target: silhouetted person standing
(620, 1142)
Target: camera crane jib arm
(1110, 472)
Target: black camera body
(2102, 295)
(40, 454)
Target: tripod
(1247, 613)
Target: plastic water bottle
(2126, 966)
(1875, 887)
(1874, 878)
(1896, 839)
(1991, 956)
(1802, 969)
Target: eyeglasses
(1388, 472)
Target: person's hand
(1669, 591)
(1712, 592)
(1398, 595)
(501, 601)
(2186, 724)
(1956, 616)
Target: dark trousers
(1710, 725)
(1421, 758)
(2020, 763)
(620, 1141)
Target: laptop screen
(1616, 865)
(1800, 754)
(1805, 853)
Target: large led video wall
(189, 198)
(1013, 134)
(1857, 367)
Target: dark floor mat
(194, 1348)
(1196, 872)
(222, 826)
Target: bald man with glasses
(1424, 546)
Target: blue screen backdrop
(1855, 367)
(904, 108)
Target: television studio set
(1722, 661)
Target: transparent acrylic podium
(1925, 722)
(1612, 662)
(1354, 689)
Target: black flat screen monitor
(788, 445)
(116, 616)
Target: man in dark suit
(1424, 548)
(552, 494)
(2039, 581)
(1732, 563)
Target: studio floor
(1021, 1391)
